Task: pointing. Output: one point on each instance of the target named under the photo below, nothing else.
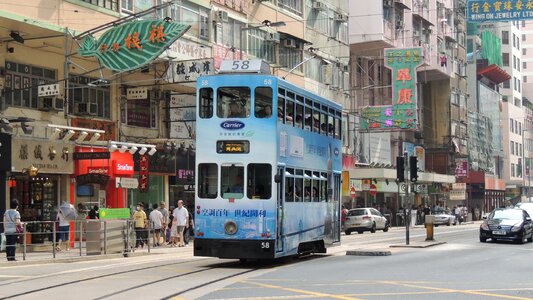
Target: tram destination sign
(499, 10)
(233, 147)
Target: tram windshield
(233, 102)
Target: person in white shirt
(181, 219)
(156, 219)
(11, 222)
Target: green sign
(403, 112)
(114, 213)
(132, 45)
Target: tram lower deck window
(207, 181)
(259, 181)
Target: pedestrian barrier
(44, 239)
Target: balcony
(421, 10)
(374, 39)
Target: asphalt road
(463, 268)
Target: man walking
(156, 218)
(181, 219)
(164, 212)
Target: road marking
(470, 292)
(15, 276)
(311, 293)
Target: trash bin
(428, 223)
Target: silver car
(442, 217)
(365, 219)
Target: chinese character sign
(181, 71)
(132, 45)
(403, 112)
(499, 10)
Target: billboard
(498, 10)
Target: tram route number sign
(244, 66)
(233, 147)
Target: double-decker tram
(268, 166)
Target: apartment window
(507, 84)
(505, 37)
(313, 67)
(524, 79)
(518, 64)
(512, 170)
(190, 13)
(523, 36)
(519, 87)
(516, 126)
(523, 25)
(520, 148)
(258, 47)
(515, 84)
(524, 51)
(518, 43)
(514, 40)
(512, 147)
(505, 59)
(21, 82)
(516, 148)
(108, 4)
(127, 5)
(517, 103)
(290, 53)
(294, 6)
(520, 128)
(511, 123)
(524, 65)
(89, 100)
(514, 62)
(227, 34)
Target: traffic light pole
(407, 210)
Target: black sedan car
(510, 224)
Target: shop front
(95, 177)
(39, 180)
(161, 165)
(182, 183)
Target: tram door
(280, 207)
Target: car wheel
(360, 232)
(530, 238)
(436, 225)
(449, 223)
(522, 239)
(387, 228)
(482, 239)
(348, 232)
(373, 229)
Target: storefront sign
(48, 157)
(127, 183)
(5, 152)
(189, 50)
(402, 114)
(160, 163)
(91, 155)
(461, 168)
(98, 170)
(107, 126)
(100, 179)
(181, 71)
(122, 168)
(458, 186)
(498, 10)
(185, 168)
(114, 213)
(143, 173)
(133, 44)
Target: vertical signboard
(402, 115)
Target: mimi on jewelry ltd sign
(132, 45)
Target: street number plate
(499, 232)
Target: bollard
(429, 220)
(23, 241)
(105, 237)
(54, 242)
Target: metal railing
(45, 239)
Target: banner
(143, 173)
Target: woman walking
(11, 223)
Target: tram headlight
(230, 227)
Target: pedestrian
(156, 219)
(12, 227)
(457, 213)
(344, 213)
(188, 229)
(170, 240)
(93, 213)
(139, 219)
(181, 216)
(65, 214)
(164, 212)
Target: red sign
(373, 190)
(143, 173)
(123, 168)
(98, 170)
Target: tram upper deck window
(206, 103)
(232, 181)
(299, 115)
(259, 181)
(308, 117)
(207, 181)
(263, 102)
(289, 116)
(281, 109)
(233, 102)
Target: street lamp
(265, 23)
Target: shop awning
(495, 74)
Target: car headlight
(485, 226)
(516, 228)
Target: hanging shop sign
(461, 168)
(127, 183)
(143, 173)
(190, 70)
(107, 126)
(91, 155)
(100, 179)
(160, 163)
(48, 157)
(133, 44)
(402, 115)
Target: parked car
(443, 217)
(527, 206)
(365, 219)
(512, 224)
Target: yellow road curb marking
(316, 294)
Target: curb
(418, 245)
(368, 253)
(72, 259)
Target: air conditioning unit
(93, 109)
(339, 17)
(319, 5)
(221, 16)
(81, 108)
(272, 37)
(387, 2)
(289, 43)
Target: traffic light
(400, 169)
(413, 168)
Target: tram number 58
(265, 245)
(241, 65)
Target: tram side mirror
(277, 178)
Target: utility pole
(408, 200)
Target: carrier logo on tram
(232, 125)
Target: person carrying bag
(12, 228)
